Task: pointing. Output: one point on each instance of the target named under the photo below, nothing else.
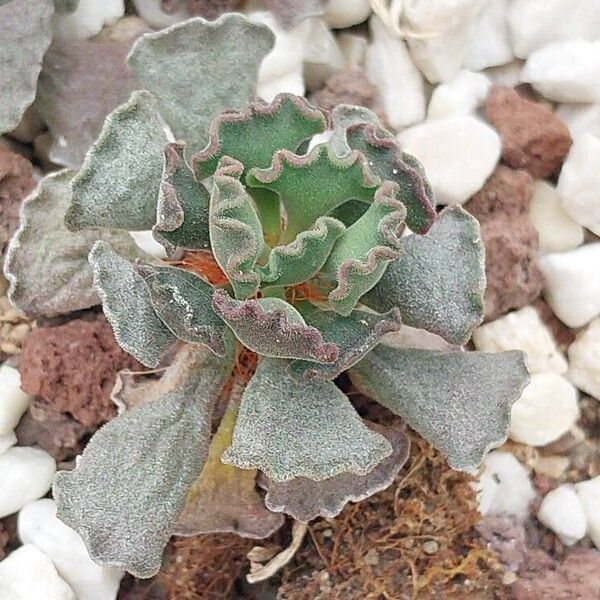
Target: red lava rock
(533, 137)
(347, 87)
(16, 181)
(71, 369)
(514, 278)
(506, 537)
(209, 9)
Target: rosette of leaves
(287, 266)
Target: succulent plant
(287, 266)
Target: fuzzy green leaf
(184, 303)
(198, 69)
(308, 430)
(183, 205)
(131, 483)
(354, 336)
(235, 229)
(459, 401)
(312, 185)
(128, 306)
(120, 178)
(255, 133)
(304, 257)
(47, 265)
(360, 257)
(305, 499)
(25, 34)
(272, 327)
(439, 280)
(343, 116)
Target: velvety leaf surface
(131, 482)
(439, 280)
(120, 178)
(224, 499)
(25, 34)
(197, 69)
(184, 303)
(354, 336)
(81, 83)
(272, 327)
(305, 499)
(253, 134)
(47, 265)
(235, 230)
(459, 401)
(343, 116)
(299, 181)
(182, 213)
(303, 258)
(290, 430)
(128, 306)
(360, 257)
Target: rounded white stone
(537, 23)
(353, 48)
(145, 241)
(322, 55)
(7, 440)
(28, 574)
(565, 71)
(458, 154)
(556, 229)
(39, 525)
(151, 12)
(88, 19)
(508, 75)
(13, 400)
(572, 284)
(461, 96)
(546, 410)
(579, 181)
(400, 85)
(562, 512)
(589, 494)
(584, 360)
(504, 487)
(26, 474)
(580, 118)
(345, 13)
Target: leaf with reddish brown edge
(198, 69)
(272, 327)
(289, 429)
(458, 401)
(354, 336)
(439, 280)
(224, 499)
(183, 301)
(360, 257)
(305, 499)
(253, 134)
(182, 214)
(314, 184)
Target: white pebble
(562, 512)
(28, 574)
(39, 525)
(7, 440)
(13, 400)
(565, 71)
(580, 118)
(443, 31)
(508, 75)
(461, 96)
(589, 494)
(489, 39)
(556, 229)
(145, 241)
(523, 330)
(400, 85)
(584, 360)
(537, 23)
(504, 487)
(458, 154)
(26, 475)
(88, 19)
(572, 284)
(353, 48)
(322, 56)
(152, 13)
(579, 181)
(546, 410)
(345, 13)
